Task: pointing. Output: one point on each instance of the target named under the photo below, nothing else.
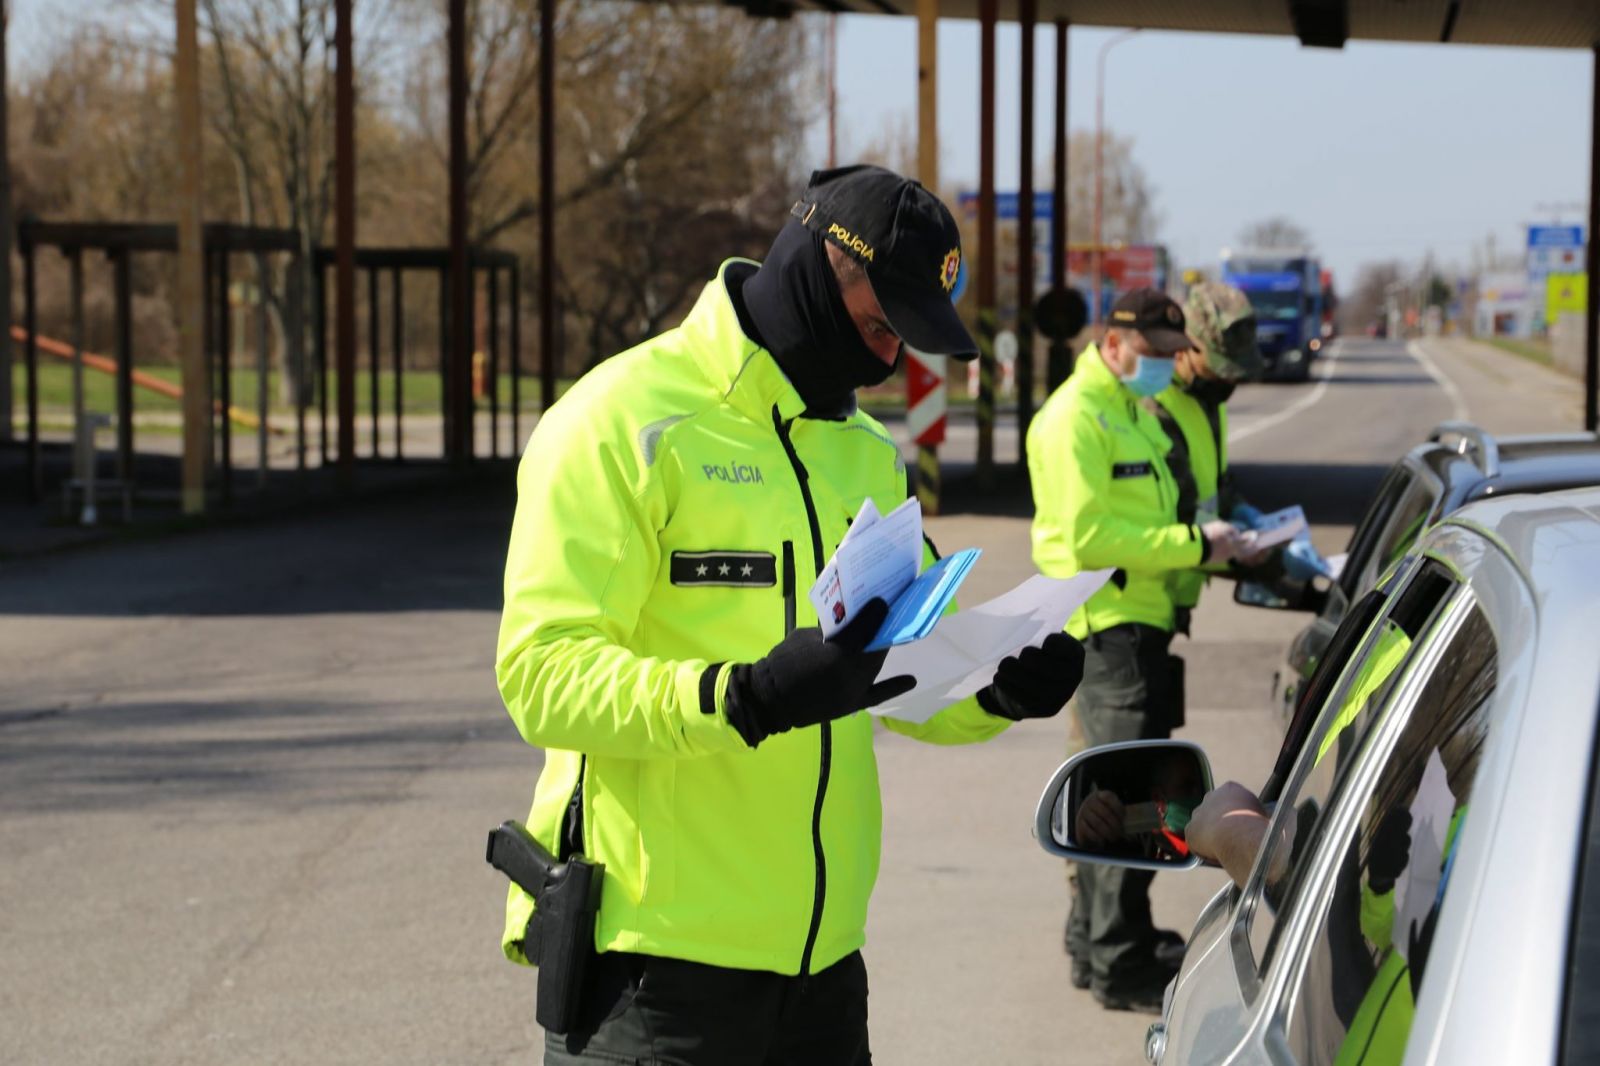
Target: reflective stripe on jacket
(1105, 497)
(672, 512)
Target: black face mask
(1213, 391)
(793, 302)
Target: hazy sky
(1379, 150)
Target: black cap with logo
(1157, 316)
(907, 241)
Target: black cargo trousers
(651, 1011)
(1132, 690)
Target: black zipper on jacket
(789, 602)
(827, 729)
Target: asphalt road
(245, 774)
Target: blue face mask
(1150, 376)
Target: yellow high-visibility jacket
(1206, 448)
(1104, 497)
(673, 509)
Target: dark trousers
(1130, 691)
(642, 1009)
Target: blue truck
(1285, 288)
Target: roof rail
(1488, 451)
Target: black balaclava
(793, 302)
(1213, 391)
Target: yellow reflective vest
(1206, 453)
(673, 509)
(1104, 497)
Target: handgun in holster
(560, 935)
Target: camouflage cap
(1223, 322)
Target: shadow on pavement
(427, 548)
(177, 753)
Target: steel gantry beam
(987, 15)
(1591, 318)
(1027, 16)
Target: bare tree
(1367, 298)
(1275, 232)
(1128, 211)
(677, 128)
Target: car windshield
(1276, 306)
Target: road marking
(1240, 433)
(1414, 349)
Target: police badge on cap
(907, 241)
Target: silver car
(1429, 888)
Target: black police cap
(907, 241)
(1154, 314)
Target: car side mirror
(1280, 596)
(1125, 804)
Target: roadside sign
(925, 397)
(1565, 294)
(1554, 250)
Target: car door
(1403, 506)
(1338, 917)
(1402, 631)
(1218, 993)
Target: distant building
(1505, 306)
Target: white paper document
(959, 657)
(1418, 886)
(877, 559)
(1275, 528)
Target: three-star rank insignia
(738, 569)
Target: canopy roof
(1325, 23)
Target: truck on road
(1285, 286)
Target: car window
(1372, 522)
(1347, 713)
(1353, 1001)
(1580, 1029)
(1398, 514)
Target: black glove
(1037, 681)
(806, 680)
(1390, 852)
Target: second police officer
(1106, 497)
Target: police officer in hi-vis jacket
(702, 740)
(1105, 496)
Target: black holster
(1175, 691)
(559, 939)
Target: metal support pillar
(398, 328)
(516, 359)
(928, 473)
(458, 395)
(374, 360)
(1591, 342)
(987, 13)
(344, 236)
(6, 234)
(493, 369)
(30, 355)
(122, 280)
(263, 373)
(224, 373)
(191, 265)
(1027, 17)
(547, 203)
(1059, 364)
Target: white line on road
(1236, 434)
(1457, 401)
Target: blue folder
(915, 612)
